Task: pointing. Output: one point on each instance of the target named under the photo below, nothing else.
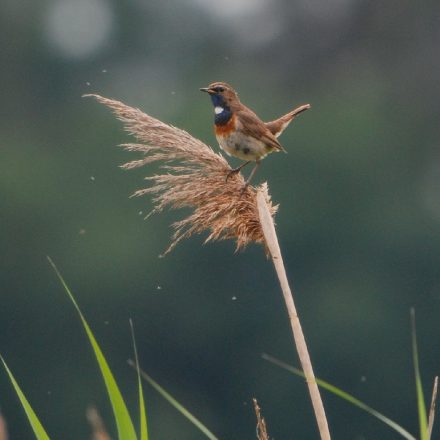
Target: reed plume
(194, 176)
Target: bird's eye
(219, 89)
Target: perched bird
(240, 132)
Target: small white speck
(173, 92)
(82, 231)
(92, 178)
(140, 212)
(218, 110)
(234, 298)
(363, 379)
(88, 84)
(104, 70)
(159, 287)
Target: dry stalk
(298, 335)
(98, 429)
(432, 407)
(261, 423)
(3, 428)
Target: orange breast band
(225, 129)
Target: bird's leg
(257, 164)
(236, 170)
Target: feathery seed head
(194, 176)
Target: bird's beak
(207, 90)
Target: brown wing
(252, 125)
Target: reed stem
(271, 240)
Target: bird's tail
(277, 126)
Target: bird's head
(222, 94)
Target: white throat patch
(218, 110)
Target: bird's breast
(226, 127)
(237, 144)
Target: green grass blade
(123, 421)
(37, 427)
(421, 408)
(175, 403)
(343, 395)
(142, 410)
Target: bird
(240, 132)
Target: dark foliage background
(359, 221)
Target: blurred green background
(359, 219)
